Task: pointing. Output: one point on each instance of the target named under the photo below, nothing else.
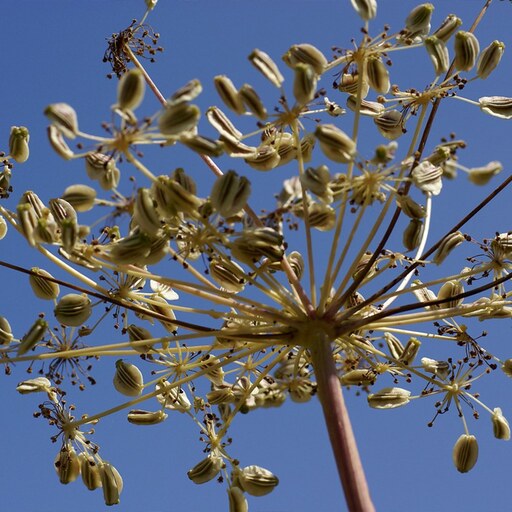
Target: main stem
(337, 420)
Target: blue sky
(53, 52)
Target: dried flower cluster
(223, 308)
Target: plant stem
(338, 425)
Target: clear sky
(52, 51)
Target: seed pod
(304, 83)
(257, 481)
(206, 470)
(172, 397)
(137, 334)
(366, 108)
(90, 471)
(427, 177)
(489, 59)
(222, 124)
(43, 288)
(482, 175)
(37, 385)
(223, 394)
(390, 124)
(507, 367)
(317, 179)
(378, 76)
(5, 331)
(501, 246)
(252, 244)
(447, 291)
(321, 216)
(131, 249)
(58, 143)
(497, 106)
(410, 351)
(33, 336)
(306, 54)
(466, 48)
(46, 230)
(18, 144)
(252, 102)
(500, 425)
(202, 145)
(335, 143)
(358, 377)
(111, 482)
(64, 117)
(410, 207)
(350, 83)
(178, 119)
(140, 417)
(438, 53)
(266, 158)
(465, 453)
(267, 67)
(67, 465)
(228, 274)
(395, 346)
(412, 234)
(145, 214)
(190, 91)
(128, 379)
(159, 305)
(301, 390)
(130, 90)
(237, 500)
(367, 9)
(440, 369)
(418, 21)
(80, 197)
(389, 398)
(62, 211)
(73, 309)
(447, 245)
(230, 193)
(286, 148)
(448, 27)
(228, 94)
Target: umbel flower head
(216, 301)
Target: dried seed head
(448, 27)
(128, 379)
(304, 83)
(228, 94)
(64, 117)
(389, 398)
(427, 177)
(252, 102)
(466, 48)
(111, 482)
(230, 193)
(465, 453)
(390, 124)
(33, 336)
(37, 385)
(482, 175)
(412, 234)
(58, 143)
(257, 481)
(5, 331)
(67, 465)
(228, 274)
(378, 75)
(253, 244)
(497, 106)
(130, 90)
(90, 471)
(73, 309)
(43, 288)
(172, 397)
(417, 23)
(438, 53)
(335, 143)
(447, 245)
(178, 118)
(18, 144)
(206, 470)
(500, 425)
(447, 291)
(366, 108)
(267, 67)
(367, 9)
(489, 59)
(237, 500)
(306, 54)
(141, 417)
